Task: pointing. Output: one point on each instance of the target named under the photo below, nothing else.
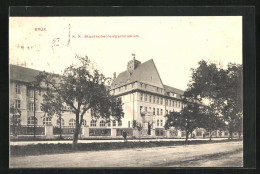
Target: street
(227, 154)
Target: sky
(176, 44)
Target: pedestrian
(124, 135)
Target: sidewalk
(22, 143)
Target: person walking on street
(124, 135)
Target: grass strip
(42, 149)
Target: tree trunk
(76, 133)
(60, 129)
(187, 135)
(139, 135)
(231, 135)
(209, 135)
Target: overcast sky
(176, 44)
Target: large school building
(145, 100)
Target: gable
(145, 72)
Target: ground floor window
(102, 123)
(47, 121)
(93, 123)
(31, 120)
(84, 122)
(72, 122)
(58, 122)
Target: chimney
(114, 75)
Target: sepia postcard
(125, 91)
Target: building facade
(145, 99)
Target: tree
(210, 120)
(221, 87)
(81, 88)
(15, 119)
(187, 120)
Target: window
(114, 122)
(31, 120)
(153, 111)
(170, 104)
(31, 93)
(157, 100)
(157, 122)
(161, 123)
(153, 99)
(84, 122)
(157, 89)
(141, 97)
(31, 106)
(120, 123)
(161, 100)
(93, 123)
(166, 102)
(47, 121)
(109, 124)
(157, 111)
(145, 108)
(17, 89)
(17, 103)
(58, 122)
(102, 123)
(161, 111)
(145, 97)
(141, 107)
(150, 98)
(72, 122)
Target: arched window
(102, 123)
(31, 120)
(84, 122)
(58, 122)
(93, 123)
(114, 122)
(47, 121)
(72, 122)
